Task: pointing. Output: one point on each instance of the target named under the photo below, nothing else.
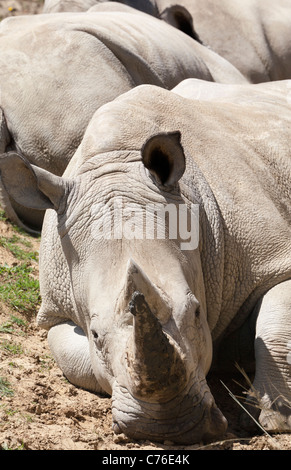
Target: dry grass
(252, 399)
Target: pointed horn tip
(136, 302)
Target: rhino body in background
(140, 317)
(58, 6)
(253, 35)
(57, 70)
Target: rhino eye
(95, 334)
(96, 338)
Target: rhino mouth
(187, 419)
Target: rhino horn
(156, 368)
(137, 280)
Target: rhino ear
(179, 17)
(163, 156)
(30, 185)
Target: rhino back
(54, 67)
(258, 28)
(47, 94)
(54, 6)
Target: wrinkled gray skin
(253, 35)
(57, 70)
(57, 6)
(142, 319)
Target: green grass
(2, 216)
(12, 244)
(9, 326)
(6, 328)
(18, 288)
(19, 244)
(11, 348)
(5, 388)
(5, 446)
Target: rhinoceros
(143, 315)
(253, 35)
(56, 70)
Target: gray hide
(57, 6)
(57, 70)
(253, 35)
(54, 6)
(142, 317)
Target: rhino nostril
(197, 312)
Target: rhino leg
(271, 390)
(70, 348)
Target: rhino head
(140, 302)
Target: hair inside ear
(179, 17)
(163, 156)
(160, 165)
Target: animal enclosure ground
(39, 408)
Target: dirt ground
(45, 412)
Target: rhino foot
(272, 420)
(269, 399)
(275, 421)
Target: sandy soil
(46, 412)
